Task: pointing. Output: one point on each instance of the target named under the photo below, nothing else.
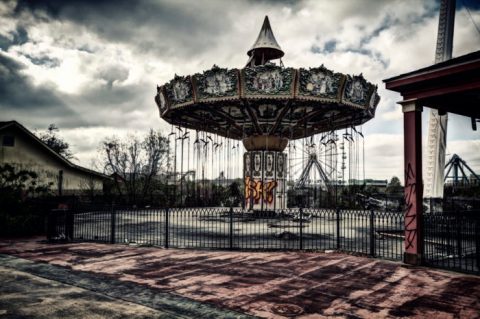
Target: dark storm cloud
(44, 60)
(106, 96)
(470, 4)
(19, 36)
(17, 90)
(39, 105)
(179, 27)
(20, 96)
(329, 47)
(4, 43)
(289, 3)
(113, 74)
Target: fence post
(477, 241)
(51, 225)
(166, 227)
(301, 228)
(372, 233)
(338, 228)
(69, 225)
(424, 237)
(458, 220)
(112, 224)
(230, 233)
(448, 235)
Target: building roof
(9, 124)
(451, 86)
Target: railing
(452, 240)
(371, 233)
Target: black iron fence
(371, 233)
(452, 240)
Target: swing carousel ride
(297, 127)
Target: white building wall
(28, 155)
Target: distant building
(23, 150)
(380, 184)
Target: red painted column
(412, 124)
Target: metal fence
(452, 240)
(372, 233)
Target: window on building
(8, 140)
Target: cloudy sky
(92, 67)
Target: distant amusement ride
(297, 127)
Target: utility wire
(471, 18)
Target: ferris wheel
(313, 161)
(325, 160)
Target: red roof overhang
(452, 86)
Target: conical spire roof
(265, 47)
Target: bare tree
(55, 142)
(89, 188)
(134, 163)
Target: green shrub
(19, 216)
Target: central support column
(412, 121)
(264, 167)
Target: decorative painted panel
(374, 100)
(217, 83)
(269, 158)
(161, 100)
(268, 80)
(247, 164)
(179, 91)
(257, 164)
(319, 83)
(280, 162)
(356, 91)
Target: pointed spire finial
(265, 47)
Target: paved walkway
(312, 285)
(23, 295)
(41, 290)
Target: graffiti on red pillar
(259, 190)
(410, 208)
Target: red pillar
(412, 124)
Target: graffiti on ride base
(257, 190)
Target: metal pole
(458, 221)
(51, 225)
(477, 241)
(372, 233)
(338, 227)
(166, 227)
(112, 225)
(231, 229)
(69, 225)
(181, 176)
(301, 228)
(437, 123)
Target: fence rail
(452, 240)
(372, 233)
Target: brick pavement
(257, 283)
